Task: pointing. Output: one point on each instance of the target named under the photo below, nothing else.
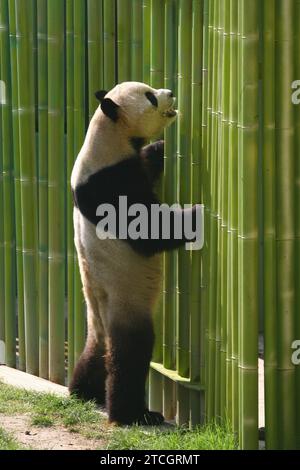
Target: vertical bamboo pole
(169, 197)
(80, 123)
(8, 193)
(109, 33)
(210, 402)
(285, 221)
(56, 177)
(297, 214)
(95, 51)
(157, 80)
(170, 183)
(213, 152)
(146, 40)
(184, 197)
(197, 318)
(248, 224)
(205, 197)
(217, 93)
(70, 160)
(270, 316)
(226, 377)
(43, 186)
(17, 196)
(2, 289)
(221, 310)
(24, 19)
(123, 39)
(233, 204)
(136, 51)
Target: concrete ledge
(21, 379)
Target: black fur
(88, 381)
(100, 95)
(137, 143)
(152, 98)
(110, 109)
(153, 156)
(134, 178)
(128, 359)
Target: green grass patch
(46, 409)
(7, 442)
(209, 437)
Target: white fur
(118, 283)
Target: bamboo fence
(235, 148)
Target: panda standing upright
(121, 277)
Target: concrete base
(21, 379)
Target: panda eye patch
(152, 98)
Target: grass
(7, 442)
(210, 437)
(44, 409)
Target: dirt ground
(47, 438)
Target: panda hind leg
(89, 376)
(128, 358)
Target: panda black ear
(100, 95)
(110, 108)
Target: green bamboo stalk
(43, 186)
(270, 324)
(79, 133)
(214, 292)
(297, 214)
(196, 105)
(184, 176)
(70, 162)
(95, 51)
(8, 193)
(137, 40)
(157, 80)
(157, 40)
(210, 380)
(24, 20)
(110, 72)
(56, 203)
(124, 39)
(169, 304)
(217, 141)
(170, 185)
(226, 377)
(221, 313)
(285, 221)
(248, 224)
(197, 315)
(17, 188)
(233, 212)
(2, 289)
(146, 40)
(184, 195)
(205, 196)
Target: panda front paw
(158, 150)
(150, 418)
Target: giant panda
(121, 278)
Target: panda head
(142, 111)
